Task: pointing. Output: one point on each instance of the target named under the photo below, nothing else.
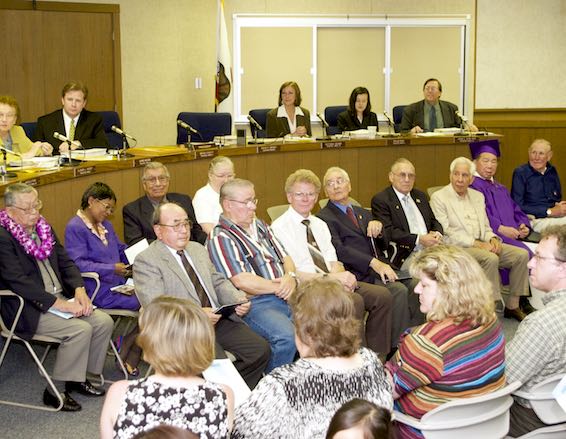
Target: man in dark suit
(162, 269)
(81, 126)
(138, 214)
(431, 112)
(40, 271)
(406, 214)
(360, 242)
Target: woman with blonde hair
(177, 339)
(206, 201)
(298, 400)
(460, 351)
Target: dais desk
(367, 162)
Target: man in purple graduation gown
(506, 218)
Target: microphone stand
(3, 169)
(122, 154)
(69, 161)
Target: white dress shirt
(418, 227)
(281, 112)
(206, 204)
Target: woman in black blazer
(289, 117)
(359, 114)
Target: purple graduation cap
(491, 146)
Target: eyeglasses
(33, 209)
(106, 206)
(156, 180)
(338, 182)
(540, 258)
(309, 195)
(249, 203)
(431, 88)
(404, 175)
(180, 226)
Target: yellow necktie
(72, 130)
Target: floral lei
(26, 240)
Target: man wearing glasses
(538, 349)
(35, 266)
(360, 244)
(174, 266)
(308, 241)
(138, 214)
(244, 249)
(431, 112)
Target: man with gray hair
(138, 214)
(536, 188)
(538, 349)
(35, 266)
(244, 249)
(462, 214)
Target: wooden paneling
(519, 128)
(56, 43)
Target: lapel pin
(418, 200)
(396, 206)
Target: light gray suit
(449, 209)
(157, 272)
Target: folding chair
(484, 416)
(9, 335)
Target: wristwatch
(548, 212)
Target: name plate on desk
(332, 145)
(81, 172)
(398, 141)
(32, 181)
(465, 139)
(205, 154)
(141, 162)
(268, 148)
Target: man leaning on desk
(81, 126)
(431, 112)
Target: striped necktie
(316, 255)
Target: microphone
(63, 138)
(255, 123)
(324, 123)
(187, 126)
(122, 133)
(461, 116)
(388, 118)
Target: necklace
(26, 240)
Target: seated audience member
(138, 214)
(360, 419)
(206, 201)
(35, 266)
(12, 136)
(81, 126)
(244, 249)
(538, 349)
(308, 241)
(431, 112)
(174, 266)
(175, 394)
(462, 213)
(298, 400)
(360, 244)
(406, 214)
(359, 114)
(93, 245)
(536, 188)
(460, 351)
(289, 117)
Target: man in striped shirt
(244, 249)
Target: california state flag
(224, 95)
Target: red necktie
(350, 213)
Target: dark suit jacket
(413, 115)
(386, 207)
(352, 245)
(20, 273)
(137, 219)
(89, 130)
(279, 126)
(349, 122)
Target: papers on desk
(223, 372)
(134, 250)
